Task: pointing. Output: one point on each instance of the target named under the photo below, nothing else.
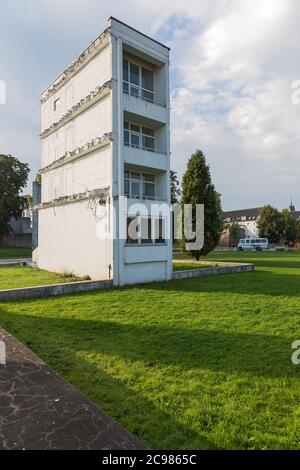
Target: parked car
(257, 244)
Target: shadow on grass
(142, 417)
(158, 345)
(260, 282)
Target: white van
(253, 244)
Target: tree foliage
(290, 224)
(235, 232)
(197, 188)
(13, 178)
(175, 187)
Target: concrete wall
(95, 73)
(90, 172)
(68, 241)
(92, 123)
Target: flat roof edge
(139, 32)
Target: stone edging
(188, 274)
(53, 290)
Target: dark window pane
(125, 70)
(146, 231)
(134, 128)
(134, 91)
(148, 96)
(160, 231)
(147, 79)
(126, 138)
(148, 143)
(135, 140)
(126, 187)
(149, 190)
(126, 125)
(148, 131)
(134, 74)
(149, 178)
(135, 189)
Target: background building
(105, 134)
(247, 219)
(20, 235)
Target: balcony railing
(144, 197)
(140, 147)
(138, 92)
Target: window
(160, 230)
(139, 137)
(56, 104)
(148, 186)
(139, 186)
(138, 81)
(146, 235)
(145, 231)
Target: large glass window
(140, 230)
(139, 137)
(148, 186)
(138, 81)
(139, 185)
(160, 230)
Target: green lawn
(16, 276)
(202, 363)
(6, 253)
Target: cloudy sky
(233, 63)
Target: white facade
(105, 135)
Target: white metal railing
(141, 147)
(145, 198)
(138, 92)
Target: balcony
(144, 186)
(141, 102)
(145, 158)
(141, 145)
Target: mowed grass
(6, 253)
(196, 364)
(13, 277)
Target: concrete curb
(4, 263)
(54, 290)
(188, 274)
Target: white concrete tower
(105, 135)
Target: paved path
(40, 410)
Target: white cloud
(233, 64)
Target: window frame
(129, 87)
(142, 181)
(150, 241)
(141, 135)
